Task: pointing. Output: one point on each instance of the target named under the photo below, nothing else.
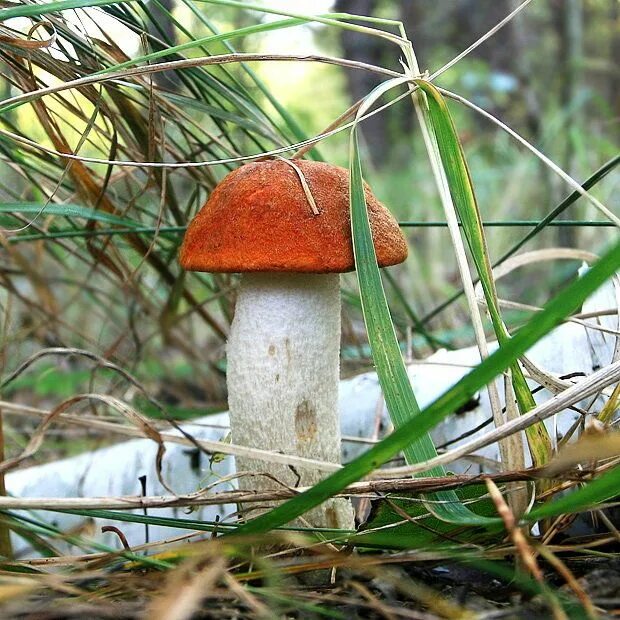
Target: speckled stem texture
(283, 373)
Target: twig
(201, 498)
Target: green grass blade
(462, 191)
(554, 312)
(162, 231)
(400, 400)
(399, 396)
(328, 21)
(186, 524)
(151, 519)
(48, 530)
(214, 38)
(36, 10)
(66, 210)
(596, 492)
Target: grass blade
(462, 191)
(36, 10)
(596, 492)
(66, 210)
(555, 311)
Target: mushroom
(286, 228)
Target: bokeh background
(88, 255)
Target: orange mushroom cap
(259, 219)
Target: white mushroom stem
(283, 373)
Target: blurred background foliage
(89, 250)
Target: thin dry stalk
(571, 580)
(522, 547)
(371, 489)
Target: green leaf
(161, 231)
